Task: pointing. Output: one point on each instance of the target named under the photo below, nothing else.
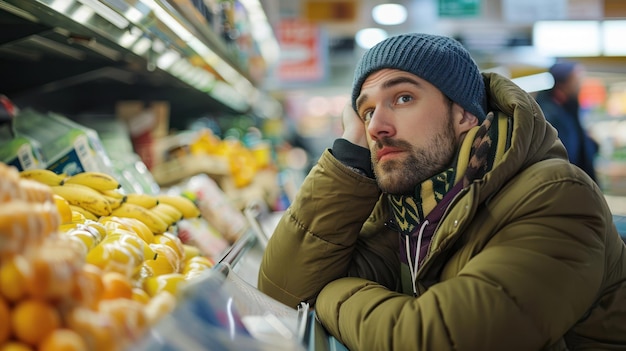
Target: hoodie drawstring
(413, 268)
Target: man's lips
(385, 151)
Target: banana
(114, 202)
(164, 216)
(168, 211)
(95, 180)
(153, 221)
(85, 197)
(44, 176)
(143, 200)
(183, 204)
(84, 212)
(113, 193)
(64, 209)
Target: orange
(63, 340)
(128, 316)
(5, 321)
(116, 285)
(32, 320)
(97, 329)
(15, 346)
(89, 287)
(54, 265)
(13, 273)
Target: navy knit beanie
(442, 61)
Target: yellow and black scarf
(482, 148)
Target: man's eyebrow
(388, 84)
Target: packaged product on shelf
(68, 147)
(22, 152)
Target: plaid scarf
(483, 147)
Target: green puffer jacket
(526, 258)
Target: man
(561, 107)
(467, 230)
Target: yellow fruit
(170, 282)
(140, 228)
(53, 266)
(88, 286)
(172, 241)
(83, 236)
(32, 320)
(151, 220)
(143, 200)
(26, 224)
(15, 346)
(13, 278)
(35, 191)
(86, 213)
(203, 260)
(64, 209)
(95, 180)
(63, 340)
(187, 207)
(140, 295)
(97, 329)
(44, 176)
(128, 314)
(165, 254)
(5, 321)
(85, 197)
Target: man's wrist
(354, 156)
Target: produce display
(84, 266)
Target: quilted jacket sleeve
(328, 232)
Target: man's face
(410, 129)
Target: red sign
(302, 55)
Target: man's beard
(400, 177)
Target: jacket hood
(532, 138)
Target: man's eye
(367, 115)
(404, 99)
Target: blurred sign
(330, 11)
(459, 8)
(529, 11)
(302, 51)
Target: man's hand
(353, 127)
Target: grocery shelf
(92, 53)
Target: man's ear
(463, 119)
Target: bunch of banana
(44, 176)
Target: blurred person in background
(561, 107)
(448, 217)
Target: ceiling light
(368, 37)
(389, 14)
